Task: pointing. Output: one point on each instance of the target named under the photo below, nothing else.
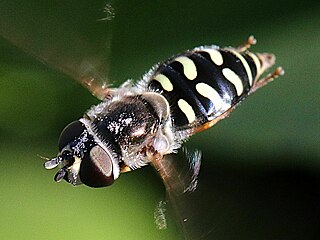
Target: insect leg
(264, 81)
(245, 46)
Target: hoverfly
(146, 122)
(140, 123)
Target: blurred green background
(260, 177)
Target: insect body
(141, 123)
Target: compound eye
(96, 168)
(70, 133)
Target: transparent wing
(205, 203)
(71, 36)
(179, 173)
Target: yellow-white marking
(215, 56)
(256, 62)
(164, 81)
(187, 110)
(234, 79)
(210, 93)
(189, 68)
(244, 63)
(75, 167)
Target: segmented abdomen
(202, 84)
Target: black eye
(96, 168)
(70, 133)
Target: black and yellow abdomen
(202, 84)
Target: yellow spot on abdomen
(187, 110)
(244, 63)
(164, 81)
(210, 93)
(234, 79)
(189, 68)
(215, 56)
(256, 62)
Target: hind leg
(245, 46)
(264, 81)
